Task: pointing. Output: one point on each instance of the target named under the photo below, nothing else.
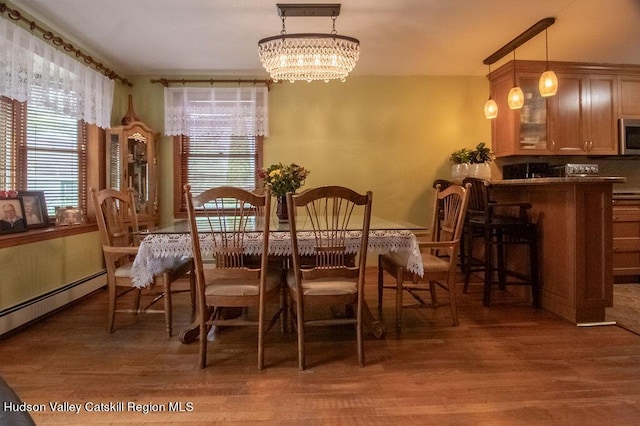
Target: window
(43, 151)
(219, 135)
(207, 160)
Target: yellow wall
(31, 270)
(391, 135)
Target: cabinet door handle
(553, 145)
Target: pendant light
(548, 84)
(490, 107)
(516, 97)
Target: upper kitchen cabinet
(580, 119)
(583, 115)
(131, 163)
(522, 131)
(629, 95)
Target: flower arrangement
(283, 178)
(482, 154)
(460, 156)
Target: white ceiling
(397, 37)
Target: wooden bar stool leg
(488, 265)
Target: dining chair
(332, 215)
(118, 225)
(498, 226)
(439, 254)
(232, 278)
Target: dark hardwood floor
(507, 364)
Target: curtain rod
(50, 37)
(527, 35)
(166, 82)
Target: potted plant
(459, 160)
(480, 159)
(283, 179)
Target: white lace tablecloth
(160, 251)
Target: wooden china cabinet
(131, 163)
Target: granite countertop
(556, 180)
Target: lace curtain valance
(237, 111)
(33, 71)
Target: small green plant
(460, 156)
(482, 154)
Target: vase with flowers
(283, 179)
(480, 159)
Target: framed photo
(35, 209)
(12, 215)
(68, 215)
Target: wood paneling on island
(575, 239)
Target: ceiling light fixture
(548, 84)
(308, 56)
(516, 97)
(490, 107)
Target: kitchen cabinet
(131, 163)
(626, 239)
(523, 131)
(629, 85)
(573, 216)
(581, 119)
(583, 115)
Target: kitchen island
(574, 219)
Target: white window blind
(221, 133)
(56, 157)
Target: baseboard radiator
(30, 310)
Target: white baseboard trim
(16, 316)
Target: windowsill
(41, 234)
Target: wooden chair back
(118, 224)
(332, 214)
(449, 214)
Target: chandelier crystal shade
(309, 56)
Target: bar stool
(498, 231)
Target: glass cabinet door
(533, 116)
(138, 171)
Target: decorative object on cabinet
(131, 163)
(308, 56)
(459, 160)
(12, 219)
(35, 209)
(548, 84)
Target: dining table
(162, 246)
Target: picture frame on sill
(35, 209)
(68, 215)
(12, 215)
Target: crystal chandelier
(308, 56)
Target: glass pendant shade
(548, 84)
(516, 98)
(490, 109)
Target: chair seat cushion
(324, 286)
(124, 271)
(433, 263)
(240, 287)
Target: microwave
(629, 131)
